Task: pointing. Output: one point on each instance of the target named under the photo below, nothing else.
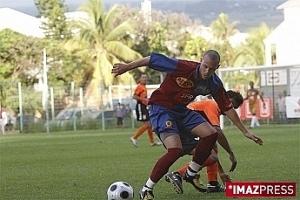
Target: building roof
(289, 3)
(20, 22)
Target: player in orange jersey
(210, 110)
(142, 114)
(252, 96)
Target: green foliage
(102, 38)
(54, 23)
(222, 29)
(253, 51)
(195, 48)
(157, 38)
(20, 57)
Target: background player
(252, 96)
(142, 114)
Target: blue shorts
(179, 120)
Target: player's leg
(163, 122)
(138, 133)
(208, 136)
(173, 145)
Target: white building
(282, 46)
(20, 22)
(29, 25)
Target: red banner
(260, 189)
(261, 111)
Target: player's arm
(226, 107)
(262, 98)
(141, 99)
(156, 61)
(222, 140)
(224, 177)
(233, 116)
(121, 68)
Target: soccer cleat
(215, 188)
(156, 144)
(133, 141)
(146, 195)
(194, 180)
(175, 179)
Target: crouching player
(209, 110)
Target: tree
(101, 37)
(253, 51)
(195, 48)
(54, 20)
(222, 30)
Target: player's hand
(145, 101)
(233, 162)
(253, 137)
(225, 177)
(119, 68)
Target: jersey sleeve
(162, 63)
(138, 90)
(196, 105)
(219, 95)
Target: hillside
(248, 13)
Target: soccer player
(169, 115)
(252, 95)
(210, 110)
(142, 114)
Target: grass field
(82, 165)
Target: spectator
(3, 120)
(281, 108)
(120, 113)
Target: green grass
(82, 165)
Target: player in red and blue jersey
(169, 115)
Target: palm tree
(253, 51)
(222, 30)
(100, 38)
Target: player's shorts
(142, 113)
(167, 122)
(252, 108)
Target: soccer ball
(120, 191)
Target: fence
(30, 109)
(280, 86)
(68, 108)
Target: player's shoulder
(140, 87)
(215, 82)
(187, 64)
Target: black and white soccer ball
(120, 191)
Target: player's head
(143, 79)
(236, 98)
(209, 64)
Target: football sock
(182, 169)
(203, 148)
(212, 172)
(140, 131)
(212, 159)
(193, 168)
(162, 165)
(149, 185)
(252, 122)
